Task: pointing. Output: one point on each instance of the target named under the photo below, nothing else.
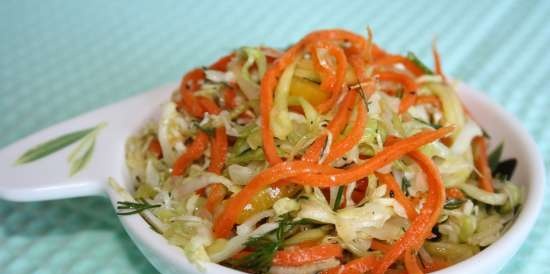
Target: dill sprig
(129, 208)
(266, 246)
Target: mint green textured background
(59, 59)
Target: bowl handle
(76, 157)
(70, 159)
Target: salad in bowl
(331, 156)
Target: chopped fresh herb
(339, 195)
(411, 56)
(265, 247)
(501, 169)
(453, 204)
(427, 123)
(505, 169)
(363, 96)
(494, 157)
(129, 208)
(405, 184)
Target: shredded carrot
(394, 188)
(193, 152)
(229, 96)
(215, 195)
(208, 105)
(388, 155)
(411, 263)
(307, 173)
(222, 63)
(216, 192)
(357, 266)
(189, 84)
(155, 148)
(269, 81)
(335, 126)
(333, 77)
(428, 99)
(408, 83)
(421, 226)
(354, 136)
(398, 59)
(485, 180)
(437, 61)
(455, 193)
(303, 255)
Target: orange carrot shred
(193, 152)
(303, 255)
(407, 82)
(189, 84)
(421, 226)
(428, 99)
(307, 173)
(155, 148)
(411, 263)
(455, 193)
(354, 136)
(357, 266)
(393, 187)
(485, 180)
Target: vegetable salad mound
(332, 156)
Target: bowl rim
(161, 253)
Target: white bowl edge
(530, 173)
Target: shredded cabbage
(280, 120)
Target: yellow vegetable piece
(301, 87)
(304, 69)
(265, 199)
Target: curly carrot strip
(392, 185)
(411, 263)
(437, 60)
(428, 99)
(354, 136)
(455, 193)
(222, 63)
(357, 266)
(193, 152)
(155, 148)
(190, 83)
(335, 126)
(421, 226)
(481, 162)
(307, 173)
(398, 59)
(407, 82)
(379, 246)
(229, 96)
(303, 255)
(388, 155)
(216, 192)
(333, 78)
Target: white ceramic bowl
(21, 183)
